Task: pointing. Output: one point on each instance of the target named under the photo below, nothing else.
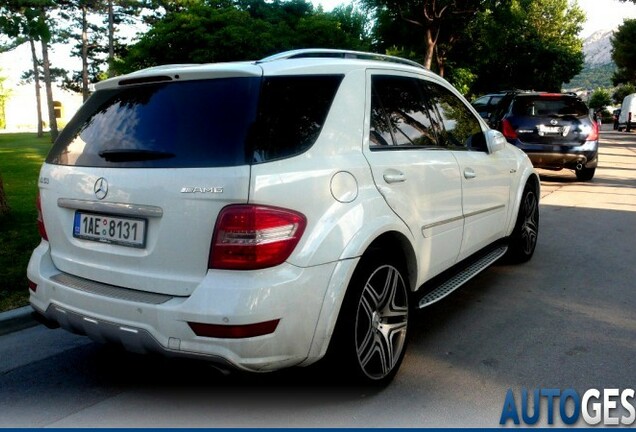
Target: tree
(622, 91)
(25, 20)
(525, 44)
(424, 29)
(600, 99)
(623, 53)
(216, 31)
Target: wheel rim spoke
(529, 230)
(381, 322)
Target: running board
(464, 275)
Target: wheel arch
(392, 240)
(531, 179)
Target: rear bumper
(563, 160)
(558, 157)
(143, 322)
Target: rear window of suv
(203, 123)
(546, 105)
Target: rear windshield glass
(188, 124)
(549, 105)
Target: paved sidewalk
(16, 319)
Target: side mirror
(496, 141)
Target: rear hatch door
(132, 188)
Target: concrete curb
(16, 319)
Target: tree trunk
(36, 78)
(111, 39)
(430, 48)
(4, 205)
(84, 55)
(49, 90)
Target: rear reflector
(234, 331)
(33, 286)
(250, 237)
(41, 227)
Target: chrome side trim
(111, 291)
(442, 222)
(110, 207)
(457, 218)
(490, 209)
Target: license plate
(118, 230)
(553, 130)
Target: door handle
(469, 173)
(393, 176)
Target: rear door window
(461, 129)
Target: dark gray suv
(555, 130)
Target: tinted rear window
(207, 123)
(549, 105)
(183, 124)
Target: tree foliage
(600, 99)
(424, 30)
(217, 31)
(623, 53)
(621, 91)
(526, 44)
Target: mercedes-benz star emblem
(553, 122)
(101, 188)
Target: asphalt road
(564, 320)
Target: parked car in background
(487, 104)
(555, 130)
(267, 214)
(628, 111)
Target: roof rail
(336, 53)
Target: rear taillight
(41, 227)
(593, 135)
(508, 130)
(250, 237)
(32, 285)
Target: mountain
(598, 48)
(599, 67)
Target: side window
(460, 127)
(292, 112)
(398, 115)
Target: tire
(585, 174)
(373, 326)
(523, 240)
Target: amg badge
(201, 190)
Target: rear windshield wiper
(134, 155)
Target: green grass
(21, 156)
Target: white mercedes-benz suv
(264, 214)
